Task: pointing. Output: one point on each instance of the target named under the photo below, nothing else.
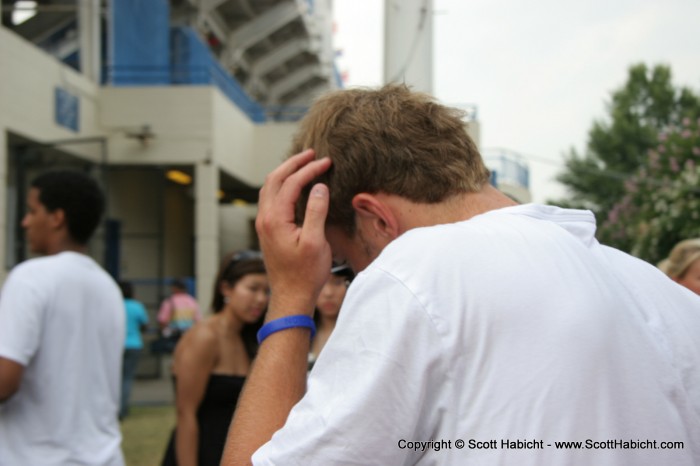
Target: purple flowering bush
(661, 202)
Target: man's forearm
(297, 261)
(276, 383)
(10, 378)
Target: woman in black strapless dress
(212, 360)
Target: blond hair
(682, 256)
(389, 140)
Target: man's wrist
(286, 323)
(282, 305)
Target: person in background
(328, 307)
(179, 312)
(136, 322)
(61, 335)
(683, 264)
(212, 360)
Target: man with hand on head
(472, 321)
(61, 336)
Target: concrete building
(509, 172)
(178, 107)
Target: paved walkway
(151, 391)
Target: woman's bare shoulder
(202, 337)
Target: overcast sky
(539, 71)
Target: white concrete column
(3, 203)
(206, 187)
(90, 43)
(408, 43)
(324, 17)
(3, 197)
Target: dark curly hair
(78, 195)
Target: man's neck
(456, 209)
(64, 245)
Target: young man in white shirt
(61, 335)
(477, 331)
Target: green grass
(145, 433)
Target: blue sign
(67, 109)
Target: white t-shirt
(508, 332)
(62, 317)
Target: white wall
(4, 204)
(518, 193)
(232, 136)
(272, 143)
(473, 129)
(191, 124)
(28, 78)
(408, 43)
(236, 227)
(179, 117)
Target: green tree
(661, 201)
(647, 106)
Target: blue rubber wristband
(284, 323)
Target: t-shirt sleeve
(369, 388)
(165, 312)
(21, 316)
(143, 315)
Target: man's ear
(58, 218)
(376, 216)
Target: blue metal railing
(192, 63)
(125, 76)
(510, 167)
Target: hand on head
(297, 258)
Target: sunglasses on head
(245, 255)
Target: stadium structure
(178, 107)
